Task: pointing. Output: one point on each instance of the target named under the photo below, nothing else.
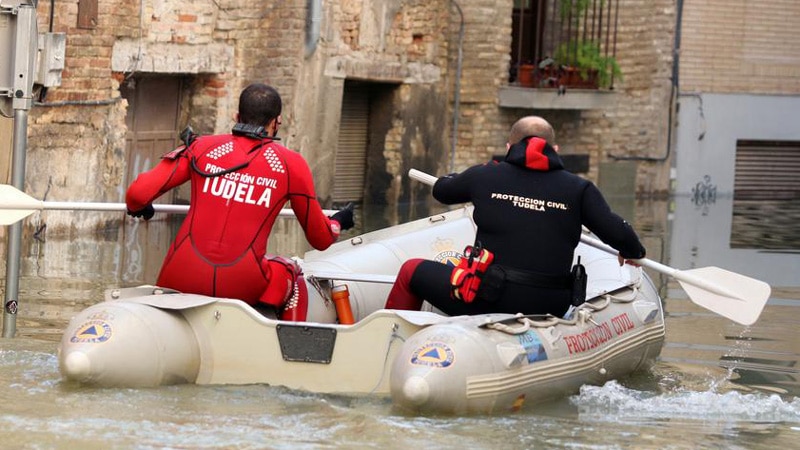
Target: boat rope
(508, 329)
(395, 336)
(548, 320)
(631, 297)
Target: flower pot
(525, 75)
(571, 77)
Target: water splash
(614, 401)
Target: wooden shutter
(766, 195)
(767, 170)
(351, 149)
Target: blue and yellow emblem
(434, 354)
(444, 252)
(450, 258)
(92, 332)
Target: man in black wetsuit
(529, 212)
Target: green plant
(588, 59)
(574, 6)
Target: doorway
(360, 173)
(153, 120)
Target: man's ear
(555, 147)
(273, 126)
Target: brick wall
(267, 41)
(741, 46)
(635, 127)
(385, 37)
(482, 126)
(77, 139)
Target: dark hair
(259, 104)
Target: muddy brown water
(716, 385)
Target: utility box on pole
(18, 54)
(50, 60)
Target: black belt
(535, 279)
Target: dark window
(564, 43)
(766, 195)
(526, 32)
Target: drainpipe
(457, 93)
(313, 21)
(674, 90)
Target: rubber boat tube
(157, 346)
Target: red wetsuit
(239, 185)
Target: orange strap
(466, 277)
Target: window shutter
(351, 151)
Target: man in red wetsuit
(239, 183)
(529, 212)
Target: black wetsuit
(529, 212)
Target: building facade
(737, 139)
(371, 89)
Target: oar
(342, 276)
(16, 205)
(729, 294)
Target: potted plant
(586, 66)
(582, 62)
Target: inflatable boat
(423, 360)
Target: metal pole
(24, 63)
(457, 90)
(15, 230)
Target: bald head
(532, 126)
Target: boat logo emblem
(93, 331)
(435, 354)
(445, 253)
(450, 258)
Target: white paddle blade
(745, 307)
(13, 198)
(16, 205)
(11, 216)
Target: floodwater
(716, 385)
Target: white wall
(708, 127)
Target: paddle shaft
(98, 206)
(666, 270)
(16, 200)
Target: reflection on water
(751, 230)
(716, 385)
